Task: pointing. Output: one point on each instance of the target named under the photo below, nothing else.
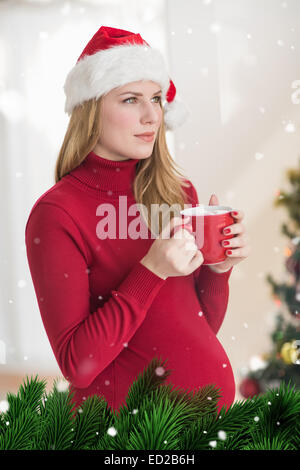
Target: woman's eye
(125, 101)
(134, 98)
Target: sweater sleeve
(213, 292)
(212, 288)
(84, 342)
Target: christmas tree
(282, 364)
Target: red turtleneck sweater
(107, 315)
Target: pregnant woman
(111, 295)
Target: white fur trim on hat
(97, 74)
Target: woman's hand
(238, 245)
(173, 253)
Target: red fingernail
(234, 213)
(229, 252)
(227, 230)
(226, 243)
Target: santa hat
(114, 57)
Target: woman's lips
(146, 138)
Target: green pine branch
(154, 416)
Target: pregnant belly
(192, 352)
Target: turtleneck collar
(102, 174)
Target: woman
(111, 300)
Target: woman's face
(124, 115)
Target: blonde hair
(158, 179)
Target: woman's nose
(150, 113)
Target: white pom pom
(175, 114)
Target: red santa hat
(114, 57)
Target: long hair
(158, 179)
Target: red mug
(208, 223)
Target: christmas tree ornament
(249, 388)
(287, 353)
(114, 57)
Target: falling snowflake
(2, 352)
(213, 443)
(112, 431)
(4, 406)
(215, 28)
(290, 127)
(222, 435)
(257, 363)
(43, 35)
(21, 283)
(62, 385)
(295, 240)
(256, 418)
(159, 371)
